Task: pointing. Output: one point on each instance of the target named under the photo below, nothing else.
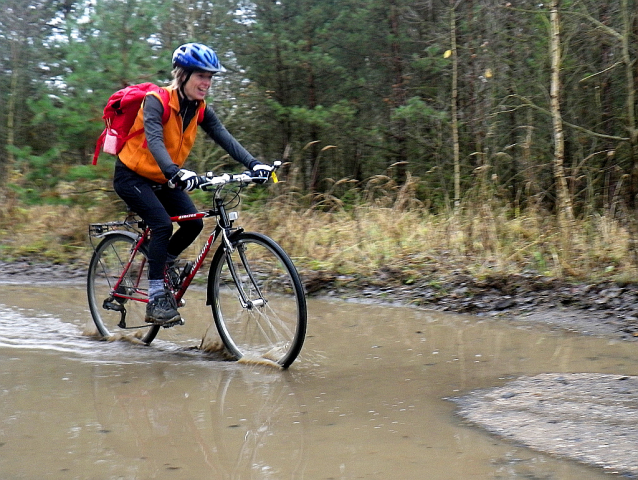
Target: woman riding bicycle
(155, 159)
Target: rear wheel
(258, 300)
(121, 310)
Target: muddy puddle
(368, 397)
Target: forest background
(421, 137)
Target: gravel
(589, 418)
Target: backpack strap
(165, 98)
(98, 146)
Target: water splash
(28, 329)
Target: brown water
(367, 398)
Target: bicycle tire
(273, 327)
(107, 264)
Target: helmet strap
(187, 77)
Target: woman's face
(197, 86)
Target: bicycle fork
(229, 249)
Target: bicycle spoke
(117, 290)
(259, 305)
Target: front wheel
(257, 300)
(118, 301)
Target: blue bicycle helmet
(196, 56)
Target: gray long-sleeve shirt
(154, 131)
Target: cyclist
(156, 158)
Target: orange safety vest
(136, 155)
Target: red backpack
(120, 113)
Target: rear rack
(99, 229)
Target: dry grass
(389, 229)
(44, 233)
(50, 233)
(368, 239)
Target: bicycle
(254, 290)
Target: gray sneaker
(162, 309)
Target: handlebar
(209, 181)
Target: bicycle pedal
(111, 304)
(173, 324)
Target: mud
(609, 309)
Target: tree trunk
(314, 167)
(12, 110)
(399, 94)
(564, 208)
(630, 66)
(631, 125)
(454, 111)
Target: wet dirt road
(367, 399)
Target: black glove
(185, 180)
(261, 172)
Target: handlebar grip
(204, 183)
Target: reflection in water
(247, 416)
(366, 399)
(224, 427)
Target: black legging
(155, 206)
